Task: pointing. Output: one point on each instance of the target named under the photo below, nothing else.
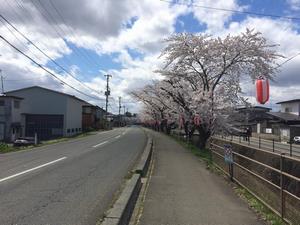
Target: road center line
(102, 143)
(32, 169)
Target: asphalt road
(69, 183)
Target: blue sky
(125, 38)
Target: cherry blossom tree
(202, 76)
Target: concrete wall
(293, 107)
(73, 120)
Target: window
(16, 104)
(68, 131)
(287, 109)
(76, 129)
(72, 130)
(79, 129)
(2, 102)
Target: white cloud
(294, 4)
(214, 19)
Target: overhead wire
(46, 55)
(289, 59)
(64, 34)
(232, 10)
(47, 70)
(71, 31)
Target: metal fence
(290, 148)
(250, 173)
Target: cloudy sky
(124, 38)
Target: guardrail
(271, 145)
(239, 159)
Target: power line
(46, 55)
(234, 11)
(289, 59)
(70, 30)
(62, 32)
(45, 69)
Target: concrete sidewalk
(183, 192)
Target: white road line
(118, 136)
(102, 143)
(32, 169)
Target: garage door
(46, 126)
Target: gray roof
(39, 87)
(289, 101)
(254, 108)
(285, 116)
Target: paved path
(69, 183)
(183, 192)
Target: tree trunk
(203, 137)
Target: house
(290, 106)
(10, 117)
(282, 125)
(92, 117)
(49, 113)
(252, 116)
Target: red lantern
(197, 120)
(262, 90)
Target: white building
(290, 106)
(49, 113)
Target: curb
(121, 212)
(122, 209)
(143, 165)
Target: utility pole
(2, 83)
(107, 92)
(120, 111)
(124, 115)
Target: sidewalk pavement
(183, 192)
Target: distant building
(251, 117)
(282, 125)
(10, 117)
(290, 106)
(49, 113)
(92, 117)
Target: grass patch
(254, 203)
(258, 207)
(5, 148)
(204, 154)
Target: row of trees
(201, 79)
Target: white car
(296, 139)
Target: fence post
(282, 197)
(259, 142)
(231, 169)
(248, 140)
(273, 145)
(291, 147)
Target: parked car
(296, 139)
(237, 132)
(24, 141)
